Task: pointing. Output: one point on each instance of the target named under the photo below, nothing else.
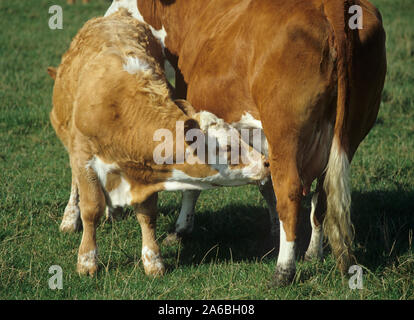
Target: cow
(300, 71)
(110, 101)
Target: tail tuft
(337, 223)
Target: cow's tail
(337, 224)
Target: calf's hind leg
(147, 217)
(92, 206)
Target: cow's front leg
(288, 187)
(71, 221)
(92, 206)
(147, 218)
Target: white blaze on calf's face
(233, 157)
(235, 162)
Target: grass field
(225, 258)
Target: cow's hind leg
(147, 218)
(318, 210)
(71, 221)
(185, 221)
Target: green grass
(226, 256)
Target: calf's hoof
(87, 263)
(71, 221)
(69, 226)
(152, 262)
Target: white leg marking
(185, 221)
(315, 249)
(286, 258)
(71, 218)
(88, 260)
(131, 6)
(152, 261)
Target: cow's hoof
(312, 256)
(87, 263)
(172, 239)
(283, 277)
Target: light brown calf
(110, 102)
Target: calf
(111, 106)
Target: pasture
(228, 256)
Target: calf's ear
(185, 107)
(52, 72)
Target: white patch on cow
(247, 121)
(133, 65)
(131, 6)
(160, 35)
(286, 258)
(120, 196)
(151, 260)
(88, 260)
(315, 249)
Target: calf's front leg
(71, 221)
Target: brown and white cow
(111, 105)
(298, 71)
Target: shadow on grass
(384, 224)
(383, 221)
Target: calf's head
(213, 154)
